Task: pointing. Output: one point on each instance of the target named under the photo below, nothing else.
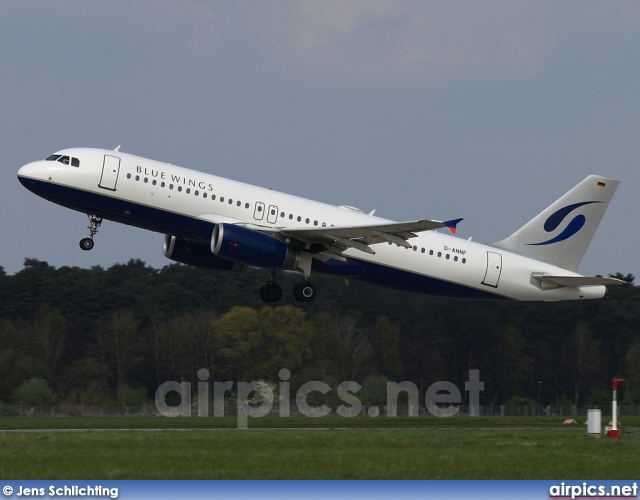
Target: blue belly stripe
(161, 221)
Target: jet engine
(198, 254)
(252, 248)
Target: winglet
(451, 224)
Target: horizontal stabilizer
(576, 281)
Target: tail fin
(561, 234)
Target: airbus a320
(218, 223)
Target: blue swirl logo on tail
(556, 218)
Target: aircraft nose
(27, 170)
(30, 174)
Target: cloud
(389, 42)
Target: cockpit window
(67, 160)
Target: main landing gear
(270, 293)
(94, 224)
(304, 291)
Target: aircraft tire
(305, 291)
(270, 293)
(86, 243)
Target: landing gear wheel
(270, 293)
(304, 291)
(94, 224)
(86, 243)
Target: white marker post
(594, 422)
(613, 433)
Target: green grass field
(402, 448)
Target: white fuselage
(174, 200)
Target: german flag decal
(601, 184)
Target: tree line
(112, 336)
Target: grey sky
(483, 110)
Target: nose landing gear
(94, 224)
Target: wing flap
(577, 281)
(403, 230)
(360, 237)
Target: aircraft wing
(361, 237)
(575, 281)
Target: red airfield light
(617, 381)
(613, 433)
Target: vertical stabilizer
(561, 234)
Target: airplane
(218, 223)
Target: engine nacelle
(252, 247)
(197, 254)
